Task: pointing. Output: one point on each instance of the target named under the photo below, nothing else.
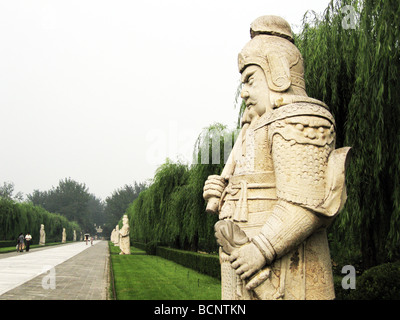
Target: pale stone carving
(284, 181)
(42, 234)
(64, 236)
(117, 236)
(112, 236)
(74, 238)
(124, 242)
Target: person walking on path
(28, 239)
(87, 237)
(20, 242)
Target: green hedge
(139, 245)
(5, 244)
(204, 263)
(381, 282)
(378, 283)
(149, 247)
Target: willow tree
(16, 217)
(354, 66)
(211, 152)
(172, 210)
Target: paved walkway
(74, 271)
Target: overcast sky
(104, 91)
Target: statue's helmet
(272, 48)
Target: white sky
(104, 91)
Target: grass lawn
(145, 277)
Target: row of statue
(42, 235)
(120, 237)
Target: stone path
(73, 271)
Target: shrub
(11, 243)
(138, 245)
(204, 263)
(151, 248)
(378, 283)
(381, 282)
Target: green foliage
(203, 263)
(24, 217)
(378, 283)
(171, 212)
(356, 72)
(7, 191)
(138, 245)
(151, 248)
(381, 282)
(72, 200)
(119, 201)
(7, 243)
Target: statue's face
(255, 92)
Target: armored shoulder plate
(302, 137)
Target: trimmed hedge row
(9, 243)
(204, 263)
(139, 245)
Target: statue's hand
(213, 187)
(247, 260)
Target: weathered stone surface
(284, 182)
(124, 242)
(64, 236)
(117, 236)
(42, 233)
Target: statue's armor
(282, 174)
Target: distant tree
(7, 192)
(117, 204)
(38, 198)
(96, 210)
(72, 200)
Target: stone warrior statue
(64, 236)
(284, 181)
(42, 233)
(112, 237)
(117, 236)
(124, 242)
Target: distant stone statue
(42, 234)
(64, 236)
(116, 238)
(74, 239)
(112, 236)
(124, 243)
(284, 181)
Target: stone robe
(124, 243)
